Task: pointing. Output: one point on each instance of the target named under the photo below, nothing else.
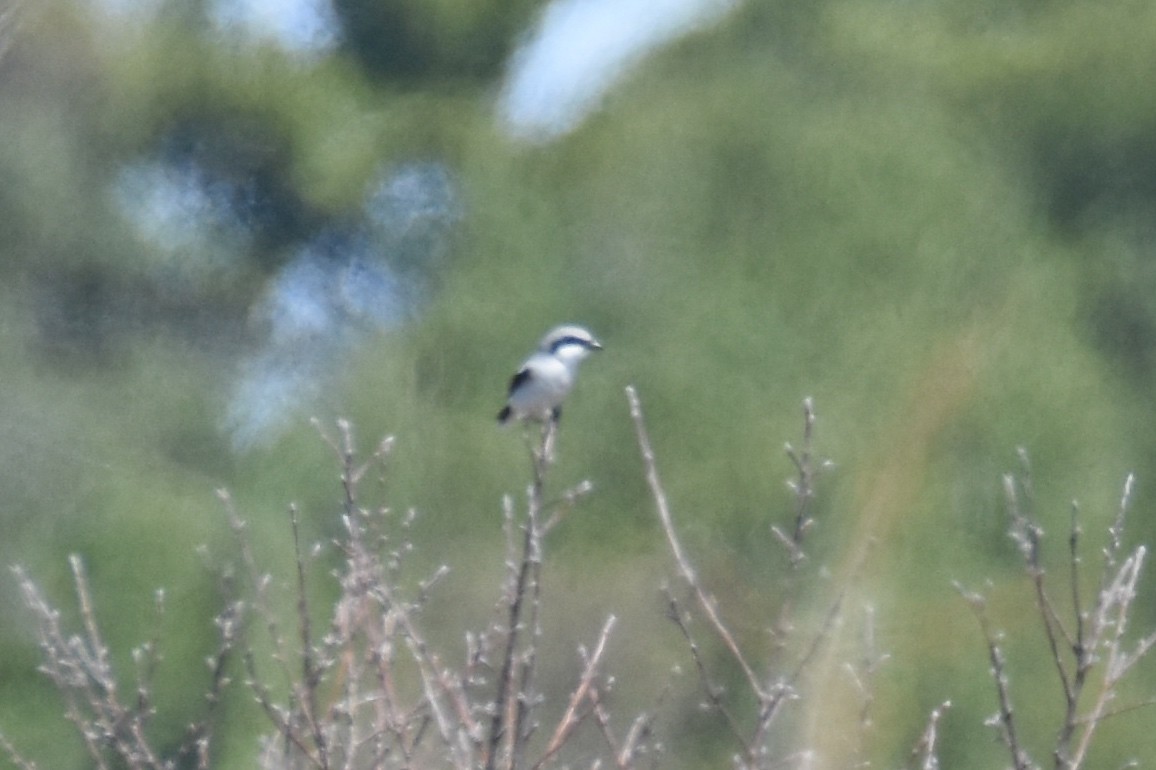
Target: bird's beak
(595, 345)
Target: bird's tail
(504, 415)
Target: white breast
(549, 382)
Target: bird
(546, 377)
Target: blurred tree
(415, 43)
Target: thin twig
(705, 601)
(803, 488)
(571, 719)
(508, 716)
(924, 754)
(14, 756)
(1005, 719)
(306, 691)
(713, 691)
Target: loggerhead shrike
(541, 384)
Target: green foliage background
(934, 218)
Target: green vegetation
(933, 218)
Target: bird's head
(569, 343)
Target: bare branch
(803, 488)
(14, 756)
(571, 719)
(923, 753)
(705, 601)
(1005, 719)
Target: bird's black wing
(521, 377)
(516, 382)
